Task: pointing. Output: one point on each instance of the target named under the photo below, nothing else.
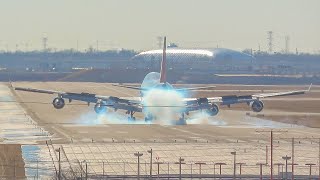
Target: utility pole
(86, 170)
(59, 163)
(271, 156)
(266, 154)
(168, 170)
(271, 148)
(292, 161)
(150, 151)
(180, 162)
(103, 169)
(234, 164)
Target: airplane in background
(155, 80)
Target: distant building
(202, 59)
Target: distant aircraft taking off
(157, 82)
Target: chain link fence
(228, 159)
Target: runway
(86, 137)
(79, 122)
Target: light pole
(310, 168)
(59, 163)
(81, 169)
(138, 155)
(286, 158)
(103, 169)
(219, 164)
(86, 170)
(279, 164)
(158, 166)
(292, 167)
(180, 162)
(200, 164)
(234, 153)
(261, 164)
(150, 151)
(240, 164)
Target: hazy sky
(135, 24)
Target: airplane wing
(234, 99)
(134, 104)
(127, 86)
(130, 103)
(38, 90)
(195, 88)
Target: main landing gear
(131, 117)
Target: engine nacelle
(256, 106)
(100, 108)
(214, 110)
(58, 103)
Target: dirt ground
(11, 162)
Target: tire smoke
(164, 105)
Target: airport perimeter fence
(225, 159)
(105, 170)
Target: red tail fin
(163, 72)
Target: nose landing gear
(182, 120)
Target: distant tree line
(68, 53)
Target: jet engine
(100, 108)
(213, 110)
(256, 106)
(58, 103)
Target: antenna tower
(44, 43)
(287, 39)
(270, 39)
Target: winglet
(163, 71)
(309, 87)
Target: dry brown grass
(11, 162)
